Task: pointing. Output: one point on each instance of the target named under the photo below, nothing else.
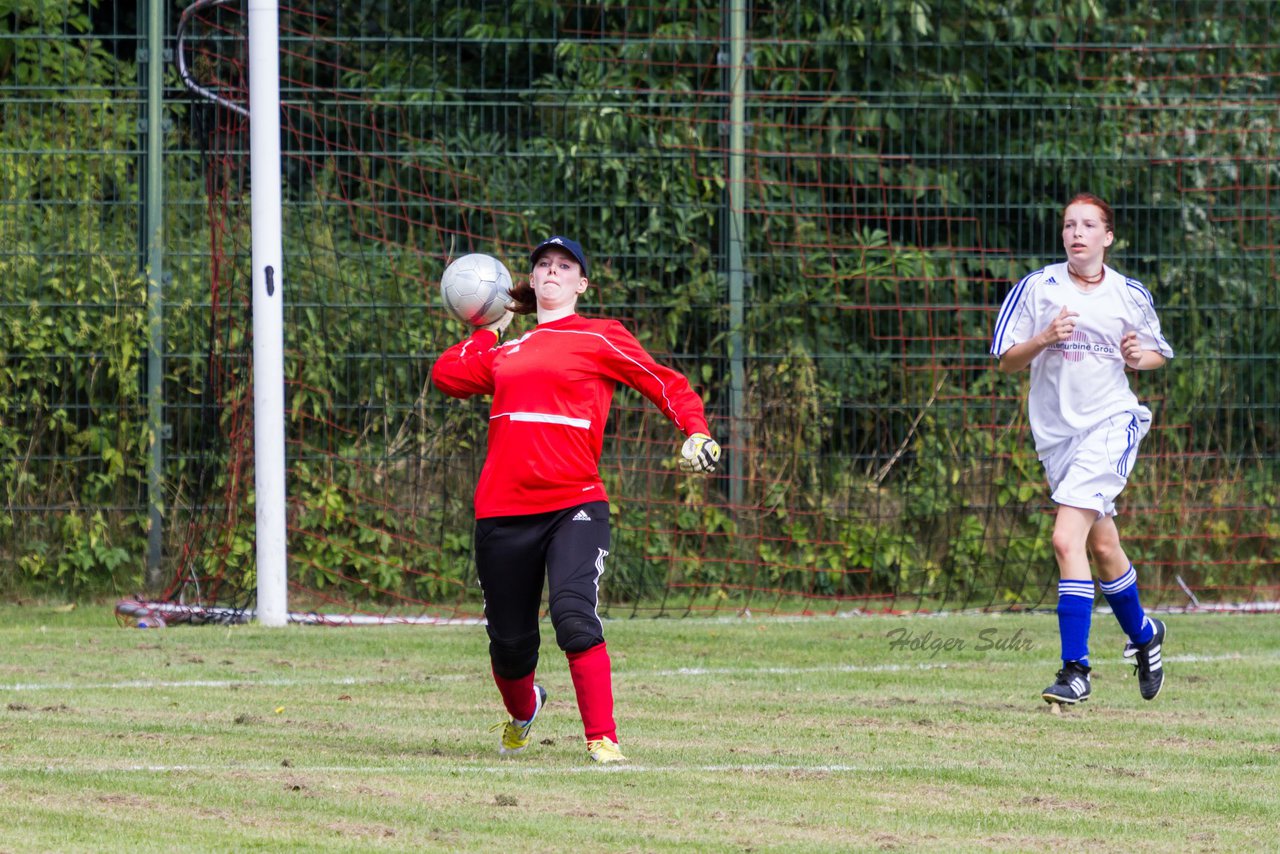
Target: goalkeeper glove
(500, 325)
(699, 454)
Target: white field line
(791, 671)
(514, 768)
(748, 617)
(746, 672)
(136, 684)
(897, 668)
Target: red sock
(593, 683)
(518, 696)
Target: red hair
(1108, 218)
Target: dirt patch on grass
(1048, 802)
(353, 830)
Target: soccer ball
(475, 288)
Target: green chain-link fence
(825, 263)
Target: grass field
(822, 734)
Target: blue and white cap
(570, 246)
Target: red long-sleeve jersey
(552, 388)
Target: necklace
(1088, 280)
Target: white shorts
(1090, 470)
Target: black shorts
(565, 549)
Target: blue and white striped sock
(1075, 612)
(1122, 596)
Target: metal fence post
(153, 240)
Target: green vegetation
(73, 432)
(906, 163)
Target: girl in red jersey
(541, 508)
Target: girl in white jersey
(1079, 325)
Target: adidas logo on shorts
(581, 516)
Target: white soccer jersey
(1079, 383)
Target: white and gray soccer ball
(475, 288)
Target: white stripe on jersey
(545, 418)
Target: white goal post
(268, 313)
